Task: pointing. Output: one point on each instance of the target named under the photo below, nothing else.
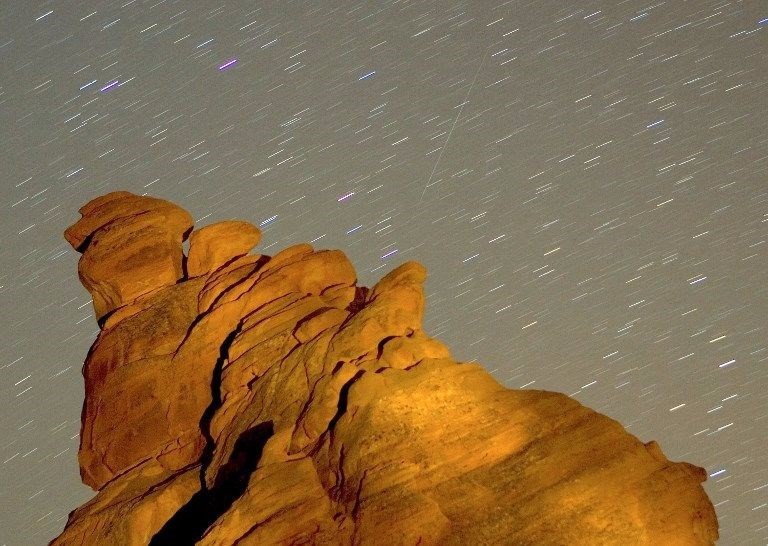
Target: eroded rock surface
(131, 246)
(271, 400)
(218, 244)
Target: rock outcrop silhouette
(238, 398)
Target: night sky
(586, 183)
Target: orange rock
(218, 244)
(131, 246)
(131, 510)
(137, 398)
(273, 401)
(121, 205)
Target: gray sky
(585, 184)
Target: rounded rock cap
(218, 244)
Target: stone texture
(214, 246)
(139, 401)
(131, 245)
(129, 511)
(271, 400)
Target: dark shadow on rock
(357, 304)
(343, 395)
(189, 523)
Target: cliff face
(236, 398)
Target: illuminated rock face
(248, 399)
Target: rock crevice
(188, 525)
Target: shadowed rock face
(242, 399)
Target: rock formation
(237, 398)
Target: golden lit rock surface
(131, 245)
(214, 246)
(271, 400)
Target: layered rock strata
(238, 398)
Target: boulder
(131, 245)
(218, 244)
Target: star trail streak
(586, 184)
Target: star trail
(586, 183)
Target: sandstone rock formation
(246, 399)
(131, 246)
